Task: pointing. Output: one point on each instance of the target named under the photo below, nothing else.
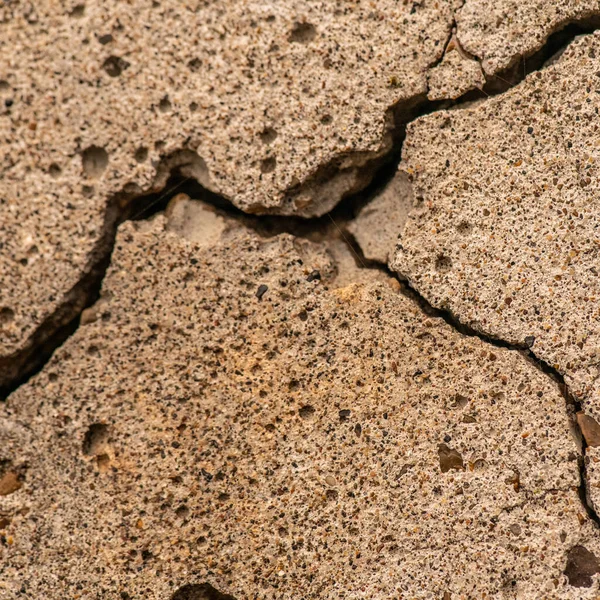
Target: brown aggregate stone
(166, 445)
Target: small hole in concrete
(464, 227)
(105, 39)
(7, 314)
(443, 263)
(268, 164)
(54, 170)
(114, 65)
(4, 85)
(268, 135)
(303, 33)
(449, 459)
(326, 119)
(141, 154)
(78, 11)
(195, 64)
(306, 412)
(95, 439)
(88, 191)
(164, 105)
(202, 591)
(94, 160)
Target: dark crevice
(556, 43)
(17, 369)
(573, 405)
(134, 204)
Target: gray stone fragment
(378, 224)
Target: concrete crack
(572, 403)
(17, 369)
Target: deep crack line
(58, 326)
(572, 404)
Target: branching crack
(572, 403)
(17, 370)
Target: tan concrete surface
(267, 415)
(282, 441)
(282, 108)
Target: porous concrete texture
(100, 101)
(378, 224)
(500, 32)
(280, 108)
(455, 75)
(254, 408)
(230, 419)
(505, 236)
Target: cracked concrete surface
(505, 235)
(283, 109)
(499, 33)
(230, 417)
(243, 414)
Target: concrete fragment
(107, 100)
(282, 110)
(191, 438)
(505, 236)
(195, 220)
(456, 74)
(505, 233)
(499, 33)
(378, 224)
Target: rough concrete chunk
(378, 224)
(284, 445)
(505, 236)
(195, 221)
(499, 32)
(278, 108)
(455, 75)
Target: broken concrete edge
(17, 367)
(588, 22)
(520, 507)
(572, 403)
(335, 182)
(57, 327)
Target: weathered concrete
(259, 102)
(228, 417)
(265, 415)
(280, 109)
(505, 236)
(500, 32)
(377, 226)
(456, 74)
